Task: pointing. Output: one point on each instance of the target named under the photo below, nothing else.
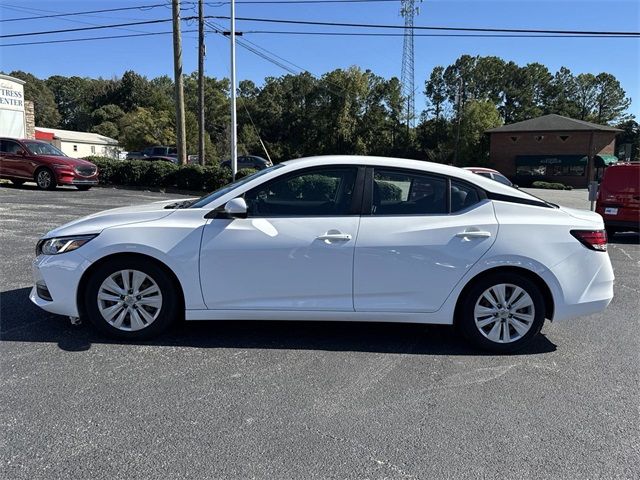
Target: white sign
(11, 107)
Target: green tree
(610, 100)
(143, 127)
(44, 103)
(477, 117)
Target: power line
(460, 35)
(81, 29)
(420, 27)
(214, 4)
(87, 39)
(88, 12)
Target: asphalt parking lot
(307, 400)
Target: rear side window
(501, 178)
(404, 193)
(7, 146)
(462, 196)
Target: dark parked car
(249, 161)
(160, 151)
(37, 161)
(135, 155)
(619, 198)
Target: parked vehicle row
(334, 238)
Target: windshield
(43, 148)
(227, 188)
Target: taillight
(593, 239)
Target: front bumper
(60, 275)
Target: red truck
(37, 161)
(618, 198)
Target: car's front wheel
(131, 298)
(45, 179)
(502, 312)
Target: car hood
(97, 222)
(74, 162)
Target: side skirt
(440, 318)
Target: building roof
(12, 79)
(553, 123)
(79, 137)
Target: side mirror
(21, 152)
(515, 186)
(236, 208)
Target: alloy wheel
(129, 300)
(504, 313)
(44, 179)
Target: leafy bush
(190, 177)
(245, 172)
(159, 174)
(550, 185)
(215, 177)
(389, 191)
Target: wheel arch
(82, 284)
(549, 303)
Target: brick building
(552, 148)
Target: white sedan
(334, 238)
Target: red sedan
(33, 160)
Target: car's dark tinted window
(484, 174)
(404, 193)
(8, 146)
(462, 196)
(502, 179)
(313, 192)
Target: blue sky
(152, 56)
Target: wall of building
(29, 120)
(81, 150)
(504, 150)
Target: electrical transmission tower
(408, 10)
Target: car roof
(481, 169)
(430, 167)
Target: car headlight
(55, 246)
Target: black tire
(45, 179)
(611, 231)
(17, 182)
(168, 312)
(466, 317)
(83, 188)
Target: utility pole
(177, 73)
(201, 54)
(234, 127)
(459, 114)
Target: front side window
(43, 148)
(404, 193)
(314, 192)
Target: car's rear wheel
(83, 188)
(45, 179)
(502, 312)
(17, 182)
(131, 298)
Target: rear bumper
(585, 284)
(622, 224)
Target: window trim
(355, 208)
(367, 200)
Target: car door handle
(474, 234)
(344, 237)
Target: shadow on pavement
(627, 238)
(21, 321)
